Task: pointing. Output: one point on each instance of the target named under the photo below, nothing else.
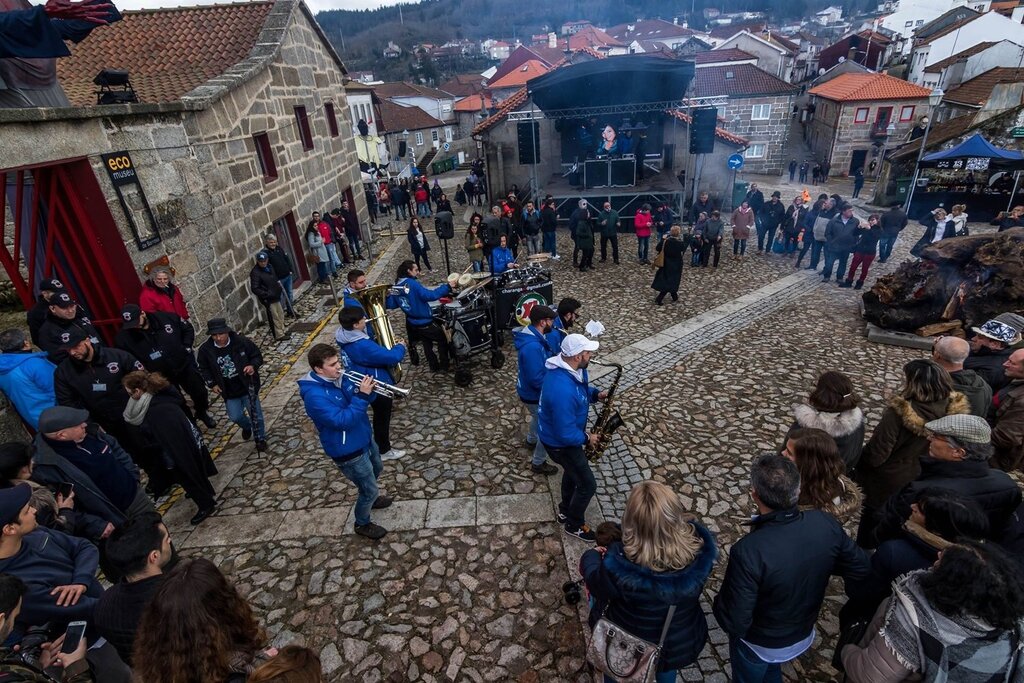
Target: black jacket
(989, 366)
(96, 385)
(280, 263)
(548, 219)
(777, 575)
(772, 214)
(793, 222)
(867, 239)
(243, 352)
(53, 334)
(908, 551)
(978, 392)
(36, 316)
(638, 598)
(699, 207)
(893, 222)
(755, 200)
(165, 346)
(265, 285)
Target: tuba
(608, 420)
(374, 302)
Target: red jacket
(642, 223)
(153, 300)
(422, 195)
(326, 233)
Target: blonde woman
(958, 214)
(664, 558)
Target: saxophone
(608, 420)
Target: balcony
(880, 130)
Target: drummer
(502, 258)
(415, 302)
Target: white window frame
(419, 138)
(751, 152)
(760, 112)
(857, 114)
(446, 107)
(448, 134)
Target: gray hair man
(1008, 417)
(949, 353)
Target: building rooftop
(648, 29)
(402, 89)
(738, 80)
(527, 70)
(729, 30)
(394, 118)
(472, 103)
(863, 87)
(594, 38)
(167, 52)
(729, 54)
(463, 85)
(946, 31)
(976, 91)
(937, 67)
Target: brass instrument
(608, 420)
(382, 388)
(374, 302)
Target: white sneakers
(393, 454)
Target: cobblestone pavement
(467, 584)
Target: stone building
(852, 113)
(239, 130)
(758, 108)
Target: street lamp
(405, 139)
(890, 130)
(934, 99)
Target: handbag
(659, 259)
(622, 656)
(820, 223)
(778, 247)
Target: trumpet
(382, 388)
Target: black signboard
(515, 301)
(126, 183)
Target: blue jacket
(350, 300)
(564, 403)
(367, 356)
(556, 335)
(533, 350)
(416, 304)
(501, 257)
(637, 598)
(339, 416)
(27, 379)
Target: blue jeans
(422, 209)
(332, 255)
(363, 471)
(238, 409)
(539, 454)
(321, 271)
(549, 243)
(355, 246)
(401, 210)
(747, 667)
(885, 245)
(478, 266)
(642, 243)
(831, 257)
(286, 293)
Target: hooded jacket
(27, 380)
(846, 428)
(978, 392)
(152, 299)
(565, 400)
(533, 350)
(638, 598)
(367, 356)
(893, 455)
(415, 303)
(339, 416)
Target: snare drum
(453, 307)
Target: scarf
(943, 648)
(136, 408)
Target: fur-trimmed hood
(834, 424)
(914, 415)
(671, 587)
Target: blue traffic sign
(736, 162)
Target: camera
(31, 645)
(571, 592)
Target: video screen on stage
(610, 137)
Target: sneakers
(544, 468)
(261, 446)
(381, 502)
(372, 531)
(561, 518)
(845, 284)
(246, 433)
(556, 257)
(207, 420)
(393, 454)
(584, 533)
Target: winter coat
(893, 222)
(772, 214)
(264, 285)
(1008, 428)
(755, 200)
(416, 303)
(777, 575)
(575, 218)
(585, 235)
(642, 223)
(793, 223)
(663, 220)
(637, 598)
(243, 352)
(609, 223)
(501, 257)
(932, 226)
(713, 230)
(74, 385)
(339, 416)
(533, 350)
(893, 455)
(698, 207)
(367, 356)
(531, 222)
(548, 219)
(153, 299)
(27, 381)
(742, 221)
(845, 428)
(840, 235)
(165, 346)
(316, 246)
(280, 262)
(867, 239)
(977, 391)
(476, 253)
(668, 276)
(414, 242)
(443, 205)
(421, 195)
(55, 332)
(988, 364)
(960, 225)
(167, 426)
(565, 399)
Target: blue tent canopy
(976, 146)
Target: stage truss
(685, 104)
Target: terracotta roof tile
(592, 37)
(976, 91)
(167, 52)
(937, 67)
(529, 69)
(463, 85)
(395, 118)
(862, 87)
(472, 103)
(729, 54)
(746, 80)
(402, 89)
(720, 133)
(516, 99)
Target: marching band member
(568, 313)
(534, 350)
(565, 400)
(370, 358)
(419, 319)
(356, 282)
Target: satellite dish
(821, 72)
(842, 59)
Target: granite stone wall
(773, 132)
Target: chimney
(553, 40)
(675, 21)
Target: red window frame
(857, 118)
(265, 154)
(910, 117)
(332, 119)
(305, 134)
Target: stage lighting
(113, 78)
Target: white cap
(575, 344)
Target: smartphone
(65, 489)
(73, 636)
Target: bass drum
(471, 333)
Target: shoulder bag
(622, 656)
(820, 223)
(659, 258)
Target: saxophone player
(565, 400)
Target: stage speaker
(444, 226)
(668, 157)
(702, 130)
(529, 142)
(401, 149)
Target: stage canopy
(625, 83)
(976, 147)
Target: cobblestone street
(467, 584)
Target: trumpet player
(370, 358)
(565, 399)
(340, 418)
